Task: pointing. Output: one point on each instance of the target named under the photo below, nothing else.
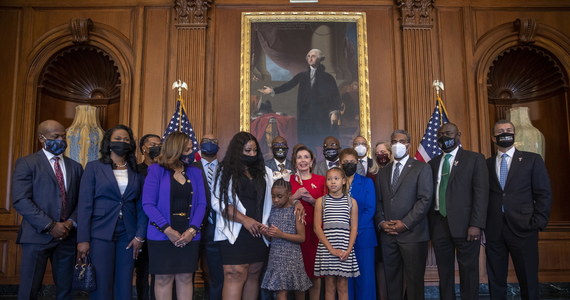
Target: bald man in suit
(45, 188)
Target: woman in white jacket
(241, 199)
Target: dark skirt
(165, 258)
(246, 250)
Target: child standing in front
(336, 225)
(285, 270)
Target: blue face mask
(209, 148)
(55, 147)
(187, 158)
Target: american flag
(186, 127)
(428, 148)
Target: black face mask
(349, 168)
(382, 159)
(248, 160)
(121, 148)
(279, 153)
(331, 154)
(446, 143)
(154, 151)
(505, 139)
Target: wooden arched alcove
(81, 35)
(525, 63)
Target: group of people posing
(282, 227)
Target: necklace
(121, 166)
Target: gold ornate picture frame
(274, 54)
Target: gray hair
(400, 131)
(320, 54)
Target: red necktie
(61, 184)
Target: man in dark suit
(211, 249)
(458, 213)
(279, 162)
(519, 207)
(365, 164)
(404, 189)
(318, 100)
(45, 187)
(331, 150)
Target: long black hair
(106, 147)
(232, 169)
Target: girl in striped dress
(336, 226)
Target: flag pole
(179, 85)
(438, 86)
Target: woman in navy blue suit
(111, 225)
(361, 188)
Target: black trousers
(446, 248)
(405, 265)
(524, 253)
(213, 257)
(34, 261)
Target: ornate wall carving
(416, 13)
(526, 29)
(192, 12)
(80, 29)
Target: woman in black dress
(242, 201)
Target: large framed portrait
(304, 76)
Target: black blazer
(35, 195)
(467, 193)
(101, 200)
(526, 198)
(409, 201)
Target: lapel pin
(313, 185)
(520, 158)
(455, 163)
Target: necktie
(333, 164)
(210, 177)
(503, 171)
(61, 184)
(281, 168)
(396, 175)
(443, 185)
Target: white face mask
(399, 150)
(360, 150)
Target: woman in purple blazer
(175, 202)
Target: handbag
(84, 276)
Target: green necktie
(443, 185)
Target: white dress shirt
(402, 161)
(498, 159)
(50, 157)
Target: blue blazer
(156, 200)
(100, 201)
(35, 195)
(362, 190)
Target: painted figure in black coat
(318, 100)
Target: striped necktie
(210, 174)
(61, 185)
(396, 175)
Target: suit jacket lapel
(515, 165)
(108, 171)
(456, 165)
(46, 165)
(491, 166)
(68, 171)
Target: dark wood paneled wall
(151, 51)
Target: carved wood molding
(192, 13)
(416, 13)
(80, 28)
(526, 29)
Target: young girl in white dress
(336, 225)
